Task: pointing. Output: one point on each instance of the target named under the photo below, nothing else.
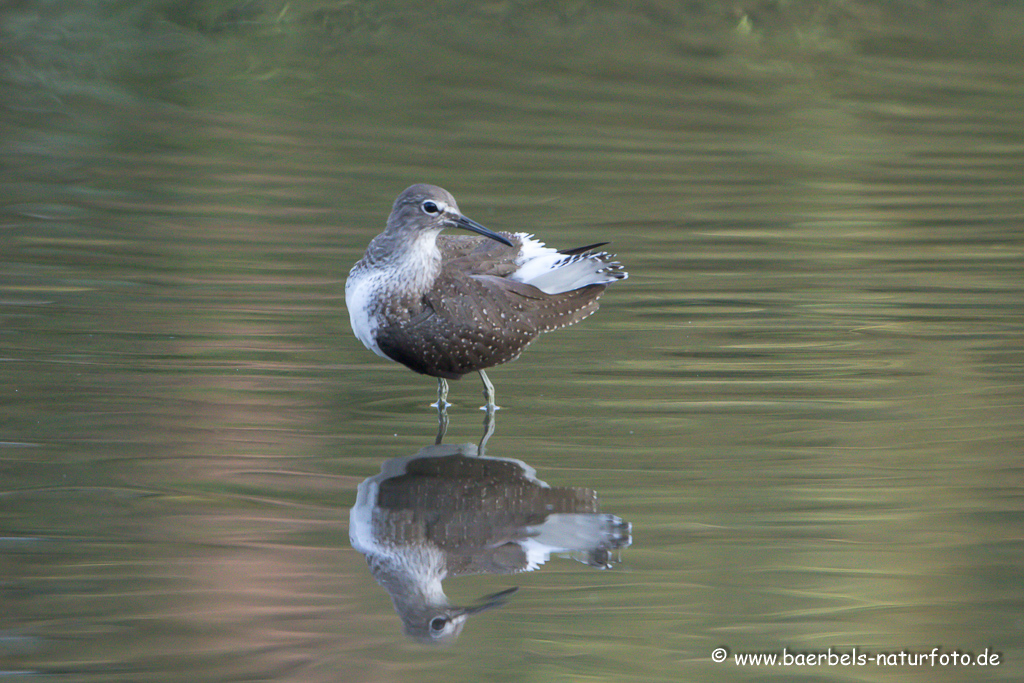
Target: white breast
(362, 289)
(408, 271)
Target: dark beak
(490, 601)
(473, 226)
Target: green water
(806, 399)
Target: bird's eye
(430, 207)
(437, 624)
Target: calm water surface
(806, 400)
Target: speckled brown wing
(475, 322)
(480, 255)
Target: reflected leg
(442, 424)
(489, 424)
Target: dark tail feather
(581, 250)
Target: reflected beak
(490, 601)
(467, 224)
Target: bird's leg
(488, 394)
(442, 395)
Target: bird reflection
(447, 511)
